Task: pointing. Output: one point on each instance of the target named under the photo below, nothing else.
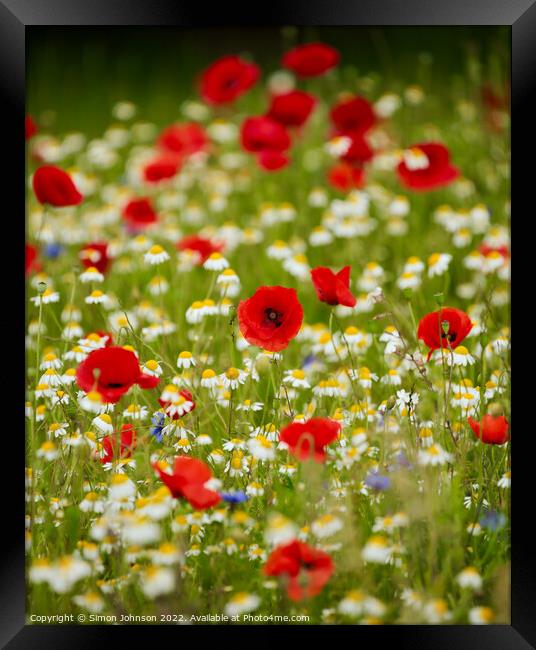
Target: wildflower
(438, 263)
(270, 318)
(156, 255)
(242, 603)
(292, 108)
(469, 578)
(309, 439)
(201, 247)
(188, 481)
(481, 616)
(215, 262)
(118, 446)
(279, 529)
(311, 59)
(434, 455)
(91, 274)
(157, 581)
(445, 328)
(436, 611)
(426, 166)
(331, 288)
(326, 526)
(492, 430)
(308, 569)
(227, 79)
(112, 371)
(55, 187)
(48, 451)
(139, 213)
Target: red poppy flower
(201, 245)
(227, 79)
(353, 115)
(308, 439)
(31, 265)
(272, 161)
(333, 288)
(270, 318)
(431, 328)
(111, 371)
(292, 108)
(122, 448)
(346, 177)
(359, 150)
(55, 187)
(183, 139)
(161, 168)
(436, 171)
(30, 127)
(263, 133)
(493, 430)
(95, 254)
(311, 59)
(307, 568)
(139, 213)
(188, 482)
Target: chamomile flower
(216, 262)
(438, 264)
(156, 255)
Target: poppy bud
(391, 403)
(496, 409)
(262, 364)
(440, 299)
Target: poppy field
(268, 347)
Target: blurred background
(76, 74)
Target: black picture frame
(18, 15)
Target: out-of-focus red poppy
(139, 213)
(311, 59)
(188, 482)
(445, 328)
(31, 265)
(272, 161)
(354, 115)
(201, 245)
(270, 318)
(427, 166)
(161, 168)
(345, 177)
(55, 187)
(493, 430)
(333, 288)
(95, 254)
(119, 446)
(183, 139)
(263, 134)
(30, 127)
(227, 79)
(307, 440)
(359, 151)
(292, 108)
(307, 568)
(112, 371)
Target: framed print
(267, 321)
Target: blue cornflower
(377, 481)
(236, 496)
(158, 421)
(52, 251)
(493, 520)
